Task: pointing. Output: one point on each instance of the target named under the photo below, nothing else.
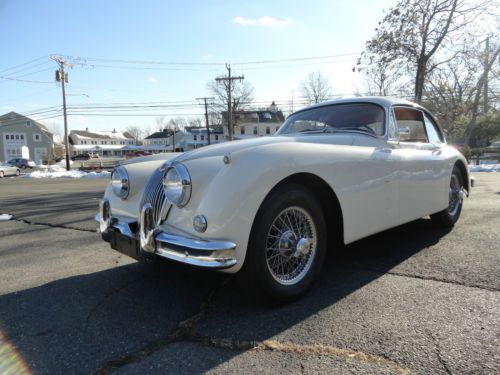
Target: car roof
(384, 101)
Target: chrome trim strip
(147, 229)
(201, 253)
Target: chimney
(87, 129)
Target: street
(412, 300)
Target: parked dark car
(23, 163)
(84, 156)
(134, 154)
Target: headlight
(177, 185)
(120, 182)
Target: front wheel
(449, 216)
(287, 246)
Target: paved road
(410, 300)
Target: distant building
(255, 123)
(198, 137)
(23, 137)
(103, 143)
(163, 141)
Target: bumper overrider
(145, 238)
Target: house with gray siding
(23, 137)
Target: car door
(423, 167)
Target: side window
(432, 131)
(410, 124)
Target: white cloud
(262, 21)
(152, 79)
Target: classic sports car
(269, 208)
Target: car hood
(225, 148)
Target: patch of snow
(485, 168)
(6, 217)
(56, 171)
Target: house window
(277, 128)
(28, 124)
(17, 136)
(216, 137)
(7, 136)
(194, 137)
(255, 131)
(21, 136)
(268, 130)
(202, 137)
(242, 130)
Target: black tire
(299, 247)
(18, 172)
(23, 166)
(450, 215)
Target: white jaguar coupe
(270, 208)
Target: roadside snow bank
(59, 172)
(485, 168)
(6, 217)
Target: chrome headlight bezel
(120, 182)
(177, 184)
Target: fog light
(200, 223)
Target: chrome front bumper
(152, 240)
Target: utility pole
(229, 80)
(173, 139)
(485, 87)
(62, 77)
(206, 115)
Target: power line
(26, 63)
(26, 68)
(23, 80)
(82, 60)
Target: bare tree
(160, 123)
(195, 122)
(136, 132)
(414, 31)
(177, 123)
(316, 88)
(241, 97)
(382, 74)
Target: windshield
(358, 117)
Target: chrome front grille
(154, 195)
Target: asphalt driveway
(414, 299)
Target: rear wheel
(287, 246)
(449, 216)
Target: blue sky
(181, 31)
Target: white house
(103, 143)
(23, 137)
(163, 141)
(255, 123)
(198, 137)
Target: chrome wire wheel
(455, 195)
(291, 245)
